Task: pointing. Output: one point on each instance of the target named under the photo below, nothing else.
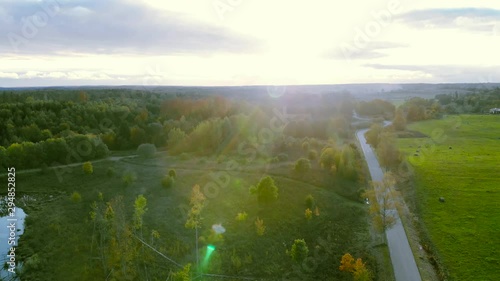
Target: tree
(357, 268)
(302, 166)
(167, 181)
(146, 150)
(310, 202)
(327, 158)
(372, 135)
(139, 210)
(266, 190)
(129, 177)
(387, 151)
(197, 203)
(88, 168)
(383, 203)
(182, 275)
(399, 121)
(172, 173)
(299, 250)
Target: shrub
(302, 166)
(76, 197)
(88, 168)
(167, 181)
(129, 177)
(308, 214)
(172, 173)
(260, 227)
(299, 250)
(146, 150)
(242, 216)
(310, 202)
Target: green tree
(302, 166)
(327, 158)
(197, 203)
(172, 173)
(146, 150)
(88, 168)
(182, 275)
(299, 250)
(260, 227)
(167, 181)
(266, 190)
(372, 135)
(76, 197)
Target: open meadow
(459, 160)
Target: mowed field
(460, 161)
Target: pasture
(459, 161)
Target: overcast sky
(247, 42)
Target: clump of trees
(356, 267)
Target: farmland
(459, 161)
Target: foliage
(196, 202)
(260, 227)
(310, 202)
(129, 177)
(372, 135)
(357, 268)
(299, 250)
(302, 166)
(242, 216)
(76, 197)
(312, 154)
(308, 214)
(146, 150)
(399, 121)
(383, 203)
(266, 190)
(172, 173)
(139, 211)
(182, 275)
(88, 168)
(110, 172)
(168, 181)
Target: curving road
(403, 261)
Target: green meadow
(459, 160)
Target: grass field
(460, 161)
(59, 232)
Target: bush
(146, 150)
(242, 216)
(310, 202)
(76, 197)
(88, 168)
(308, 214)
(172, 173)
(260, 227)
(302, 166)
(167, 181)
(129, 177)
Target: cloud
(470, 19)
(110, 27)
(372, 50)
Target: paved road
(403, 262)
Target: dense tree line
(479, 101)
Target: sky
(247, 42)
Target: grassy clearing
(460, 162)
(59, 232)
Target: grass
(59, 231)
(460, 161)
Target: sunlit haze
(243, 42)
